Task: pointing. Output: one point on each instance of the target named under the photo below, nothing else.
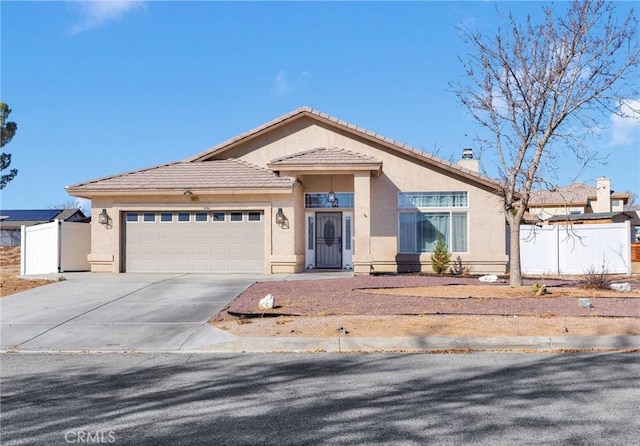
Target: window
(419, 231)
(183, 216)
(132, 217)
(575, 213)
(218, 216)
(347, 233)
(149, 217)
(166, 217)
(254, 216)
(432, 199)
(310, 234)
(201, 216)
(344, 200)
(236, 216)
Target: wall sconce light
(103, 217)
(187, 192)
(279, 217)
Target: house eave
(89, 193)
(307, 169)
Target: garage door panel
(219, 245)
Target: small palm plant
(440, 257)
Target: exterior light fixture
(103, 217)
(333, 200)
(187, 192)
(279, 217)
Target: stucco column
(362, 223)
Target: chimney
(603, 195)
(468, 161)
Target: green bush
(440, 257)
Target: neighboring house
(11, 221)
(304, 191)
(576, 199)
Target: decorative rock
(488, 278)
(585, 303)
(267, 302)
(620, 287)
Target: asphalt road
(280, 399)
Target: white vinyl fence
(576, 249)
(55, 247)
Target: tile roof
(218, 174)
(573, 193)
(589, 216)
(325, 156)
(578, 193)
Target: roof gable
(329, 121)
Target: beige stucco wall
(283, 252)
(487, 250)
(548, 212)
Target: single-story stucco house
(304, 191)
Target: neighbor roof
(589, 216)
(576, 193)
(350, 128)
(217, 174)
(15, 218)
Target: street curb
(418, 344)
(379, 344)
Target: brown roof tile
(219, 174)
(325, 156)
(573, 193)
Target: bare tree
(631, 205)
(70, 204)
(537, 89)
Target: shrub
(538, 289)
(440, 256)
(595, 279)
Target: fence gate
(55, 247)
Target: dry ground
(430, 306)
(10, 268)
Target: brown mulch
(366, 296)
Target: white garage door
(224, 241)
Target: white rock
(488, 278)
(267, 302)
(621, 287)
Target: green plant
(61, 279)
(440, 257)
(538, 289)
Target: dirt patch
(431, 306)
(10, 269)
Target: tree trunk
(515, 272)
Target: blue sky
(99, 88)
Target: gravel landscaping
(401, 304)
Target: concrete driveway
(132, 312)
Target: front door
(329, 240)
